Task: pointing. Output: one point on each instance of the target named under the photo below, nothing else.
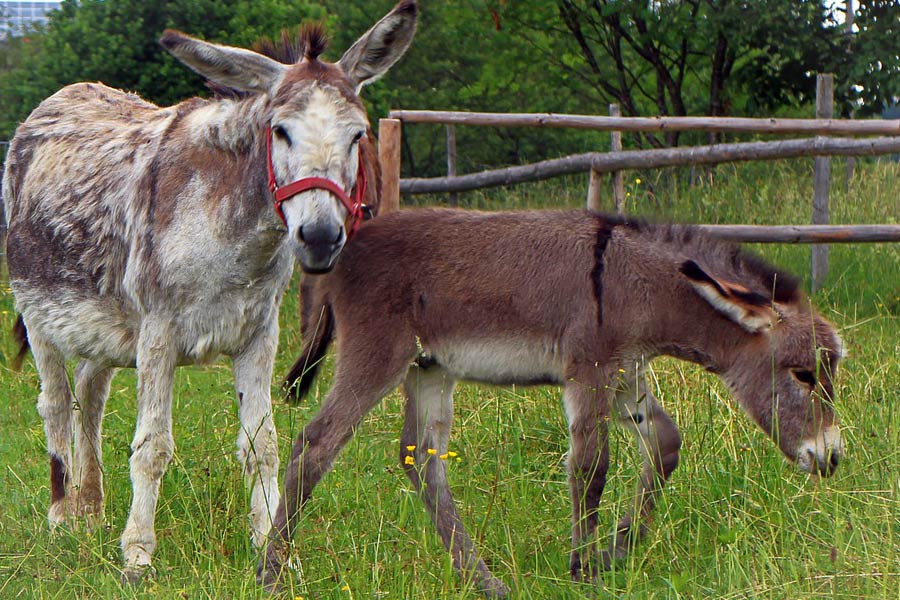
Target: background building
(16, 16)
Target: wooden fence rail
(608, 162)
(600, 123)
(805, 234)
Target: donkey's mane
(725, 259)
(308, 41)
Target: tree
(115, 41)
(872, 73)
(680, 57)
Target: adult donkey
(566, 298)
(148, 237)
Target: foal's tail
(21, 336)
(317, 327)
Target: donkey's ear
(232, 67)
(380, 47)
(746, 308)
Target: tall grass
(736, 521)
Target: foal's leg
(91, 391)
(153, 445)
(587, 409)
(257, 442)
(55, 407)
(429, 415)
(659, 441)
(359, 384)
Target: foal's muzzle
(822, 454)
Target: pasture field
(736, 521)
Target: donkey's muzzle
(824, 466)
(318, 247)
(822, 454)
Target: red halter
(356, 210)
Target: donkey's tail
(21, 336)
(318, 330)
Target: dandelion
(299, 598)
(621, 370)
(346, 588)
(444, 456)
(431, 451)
(409, 460)
(410, 448)
(452, 454)
(637, 181)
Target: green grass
(736, 521)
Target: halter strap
(356, 210)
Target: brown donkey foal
(428, 297)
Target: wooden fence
(615, 161)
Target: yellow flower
(637, 180)
(410, 448)
(431, 451)
(409, 460)
(444, 456)
(452, 454)
(621, 370)
(346, 588)
(299, 598)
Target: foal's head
(780, 361)
(312, 122)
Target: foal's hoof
(270, 571)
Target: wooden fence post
(618, 178)
(451, 160)
(618, 183)
(389, 132)
(821, 182)
(593, 195)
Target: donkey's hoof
(493, 588)
(135, 574)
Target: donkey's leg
(91, 391)
(659, 442)
(429, 415)
(55, 407)
(257, 442)
(358, 386)
(586, 402)
(153, 445)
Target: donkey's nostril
(833, 459)
(340, 234)
(300, 234)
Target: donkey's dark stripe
(59, 479)
(604, 231)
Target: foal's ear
(748, 309)
(236, 68)
(380, 47)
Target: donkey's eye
(805, 377)
(281, 134)
(358, 137)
